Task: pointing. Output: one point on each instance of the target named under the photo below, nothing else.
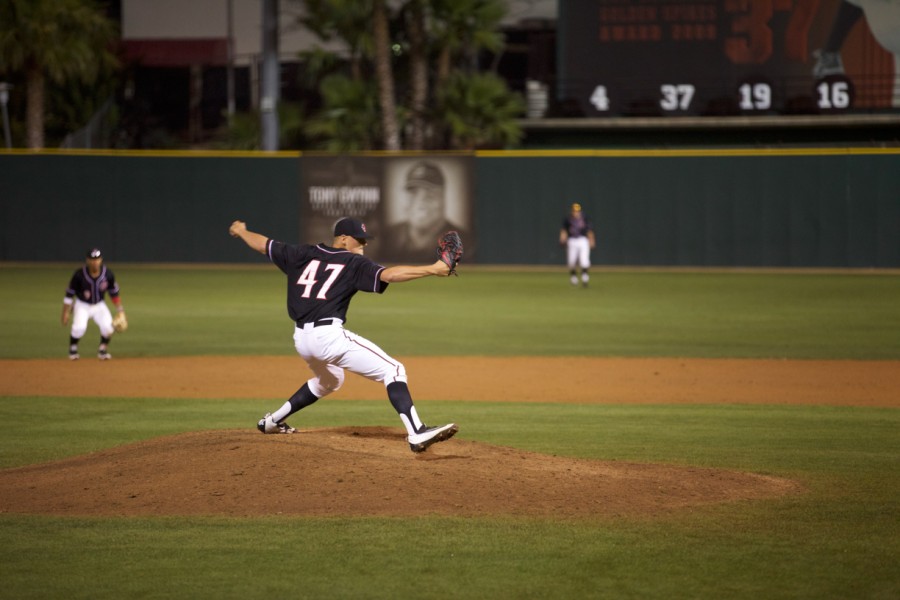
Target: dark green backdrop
(823, 208)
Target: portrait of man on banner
(423, 198)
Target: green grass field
(840, 539)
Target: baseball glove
(120, 322)
(450, 250)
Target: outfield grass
(839, 539)
(485, 312)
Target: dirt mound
(370, 471)
(360, 471)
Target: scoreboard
(729, 57)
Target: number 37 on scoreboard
(673, 97)
(835, 94)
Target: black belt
(320, 322)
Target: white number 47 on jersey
(308, 278)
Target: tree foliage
(418, 72)
(479, 111)
(349, 120)
(348, 21)
(463, 27)
(245, 130)
(55, 41)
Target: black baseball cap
(353, 228)
(424, 174)
(94, 253)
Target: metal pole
(230, 70)
(270, 79)
(4, 98)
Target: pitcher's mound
(360, 471)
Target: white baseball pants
(99, 312)
(331, 349)
(579, 252)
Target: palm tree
(346, 20)
(418, 72)
(448, 33)
(443, 34)
(462, 28)
(59, 40)
(363, 25)
(385, 75)
(480, 111)
(349, 119)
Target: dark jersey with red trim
(322, 280)
(576, 227)
(92, 289)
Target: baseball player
(577, 235)
(883, 19)
(322, 279)
(84, 300)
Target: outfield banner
(406, 202)
(729, 57)
(828, 207)
(335, 187)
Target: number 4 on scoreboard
(599, 98)
(674, 97)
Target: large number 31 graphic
(750, 41)
(308, 279)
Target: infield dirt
(354, 471)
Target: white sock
(279, 415)
(412, 426)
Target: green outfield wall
(804, 208)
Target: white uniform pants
(579, 252)
(330, 349)
(99, 312)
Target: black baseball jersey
(576, 227)
(322, 280)
(90, 289)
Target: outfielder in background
(322, 280)
(423, 199)
(577, 236)
(84, 300)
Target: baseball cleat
(419, 442)
(268, 425)
(827, 63)
(104, 355)
(73, 356)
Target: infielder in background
(322, 280)
(84, 301)
(577, 235)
